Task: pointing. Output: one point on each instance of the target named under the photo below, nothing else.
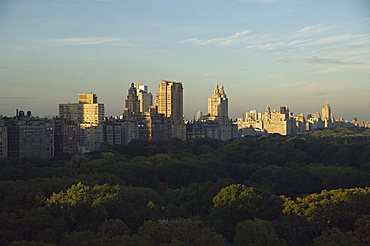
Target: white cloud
(231, 40)
(85, 40)
(317, 28)
(318, 45)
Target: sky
(265, 52)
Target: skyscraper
(218, 104)
(145, 97)
(326, 115)
(169, 100)
(132, 102)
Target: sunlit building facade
(169, 100)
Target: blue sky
(276, 52)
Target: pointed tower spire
(217, 91)
(222, 92)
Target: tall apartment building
(154, 126)
(216, 124)
(3, 139)
(89, 115)
(218, 104)
(169, 100)
(327, 116)
(29, 136)
(145, 97)
(132, 102)
(121, 131)
(65, 136)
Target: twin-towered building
(216, 124)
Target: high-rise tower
(218, 104)
(132, 102)
(169, 100)
(326, 115)
(145, 97)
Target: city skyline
(265, 52)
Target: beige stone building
(89, 114)
(216, 124)
(144, 96)
(314, 121)
(154, 126)
(279, 122)
(169, 100)
(218, 104)
(132, 103)
(327, 116)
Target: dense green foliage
(306, 190)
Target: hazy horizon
(264, 52)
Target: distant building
(145, 97)
(121, 131)
(314, 121)
(218, 104)
(3, 139)
(154, 126)
(169, 100)
(29, 136)
(206, 128)
(65, 136)
(301, 124)
(89, 114)
(132, 102)
(280, 122)
(216, 124)
(327, 116)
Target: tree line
(311, 189)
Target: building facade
(3, 139)
(216, 124)
(65, 136)
(154, 126)
(30, 136)
(145, 97)
(132, 102)
(327, 115)
(169, 100)
(121, 131)
(218, 104)
(89, 115)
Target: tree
(335, 237)
(114, 227)
(83, 194)
(237, 202)
(295, 230)
(256, 233)
(179, 232)
(88, 238)
(362, 229)
(328, 209)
